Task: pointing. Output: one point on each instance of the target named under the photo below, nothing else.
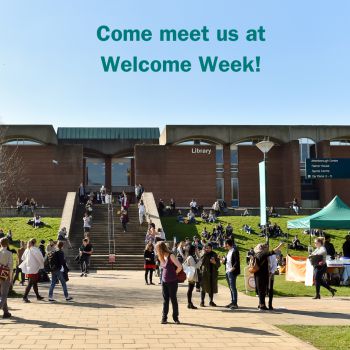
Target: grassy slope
(22, 231)
(245, 242)
(322, 337)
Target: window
(219, 154)
(235, 191)
(234, 155)
(22, 142)
(121, 172)
(220, 188)
(95, 172)
(305, 145)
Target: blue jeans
(231, 281)
(58, 276)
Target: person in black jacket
(262, 275)
(346, 246)
(329, 246)
(150, 262)
(233, 269)
(58, 265)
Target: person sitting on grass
(205, 233)
(180, 218)
(247, 229)
(9, 237)
(205, 216)
(296, 244)
(36, 221)
(211, 217)
(191, 217)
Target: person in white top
(142, 211)
(87, 223)
(272, 260)
(320, 267)
(32, 262)
(193, 205)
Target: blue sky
(50, 69)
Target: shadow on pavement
(46, 324)
(319, 314)
(233, 329)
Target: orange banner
(296, 268)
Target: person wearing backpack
(233, 269)
(260, 265)
(58, 266)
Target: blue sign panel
(328, 168)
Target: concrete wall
(176, 172)
(46, 182)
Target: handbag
(181, 276)
(4, 272)
(190, 271)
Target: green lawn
(322, 337)
(245, 242)
(22, 231)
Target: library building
(204, 162)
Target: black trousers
(32, 282)
(319, 281)
(150, 272)
(261, 282)
(211, 296)
(169, 290)
(17, 273)
(190, 291)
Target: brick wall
(283, 176)
(46, 182)
(176, 172)
(341, 187)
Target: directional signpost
(328, 168)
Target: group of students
(31, 262)
(25, 205)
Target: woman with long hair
(150, 263)
(193, 260)
(318, 260)
(261, 254)
(32, 262)
(171, 266)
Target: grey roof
(107, 133)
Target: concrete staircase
(129, 246)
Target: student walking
(171, 267)
(142, 211)
(318, 260)
(124, 219)
(33, 262)
(6, 265)
(59, 268)
(150, 263)
(272, 270)
(233, 269)
(85, 252)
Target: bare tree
(11, 171)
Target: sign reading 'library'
(328, 168)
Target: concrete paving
(116, 310)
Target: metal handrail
(111, 232)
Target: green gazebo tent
(336, 215)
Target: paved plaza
(116, 310)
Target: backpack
(253, 265)
(51, 262)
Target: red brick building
(205, 162)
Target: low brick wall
(43, 212)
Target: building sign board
(328, 168)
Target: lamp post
(265, 147)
